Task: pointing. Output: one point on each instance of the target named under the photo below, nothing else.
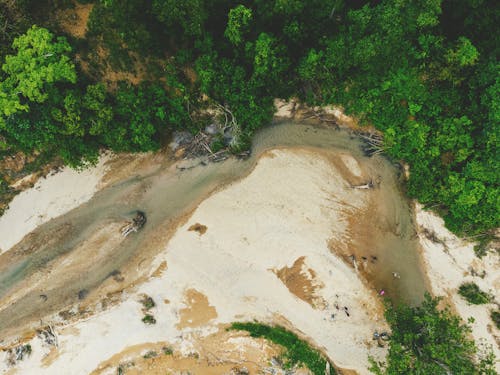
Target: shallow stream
(387, 235)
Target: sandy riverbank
(260, 248)
(52, 196)
(264, 256)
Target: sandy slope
(453, 262)
(287, 208)
(52, 196)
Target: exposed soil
(300, 281)
(197, 311)
(74, 20)
(161, 268)
(225, 352)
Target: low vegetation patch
(148, 302)
(495, 316)
(473, 295)
(297, 351)
(482, 247)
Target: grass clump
(472, 294)
(297, 351)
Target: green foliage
(167, 350)
(148, 302)
(187, 16)
(425, 73)
(481, 248)
(474, 295)
(392, 66)
(100, 112)
(237, 25)
(39, 63)
(495, 316)
(426, 340)
(149, 319)
(297, 351)
(141, 115)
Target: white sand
(449, 267)
(288, 207)
(50, 197)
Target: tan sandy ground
(224, 352)
(287, 209)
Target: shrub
(474, 295)
(149, 319)
(167, 350)
(148, 302)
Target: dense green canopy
(426, 73)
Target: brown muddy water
(384, 238)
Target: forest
(424, 72)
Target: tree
(237, 25)
(40, 62)
(188, 16)
(101, 113)
(426, 340)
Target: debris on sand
(48, 336)
(18, 354)
(136, 224)
(199, 228)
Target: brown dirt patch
(216, 354)
(301, 281)
(200, 228)
(359, 251)
(197, 311)
(50, 357)
(268, 154)
(161, 268)
(74, 21)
